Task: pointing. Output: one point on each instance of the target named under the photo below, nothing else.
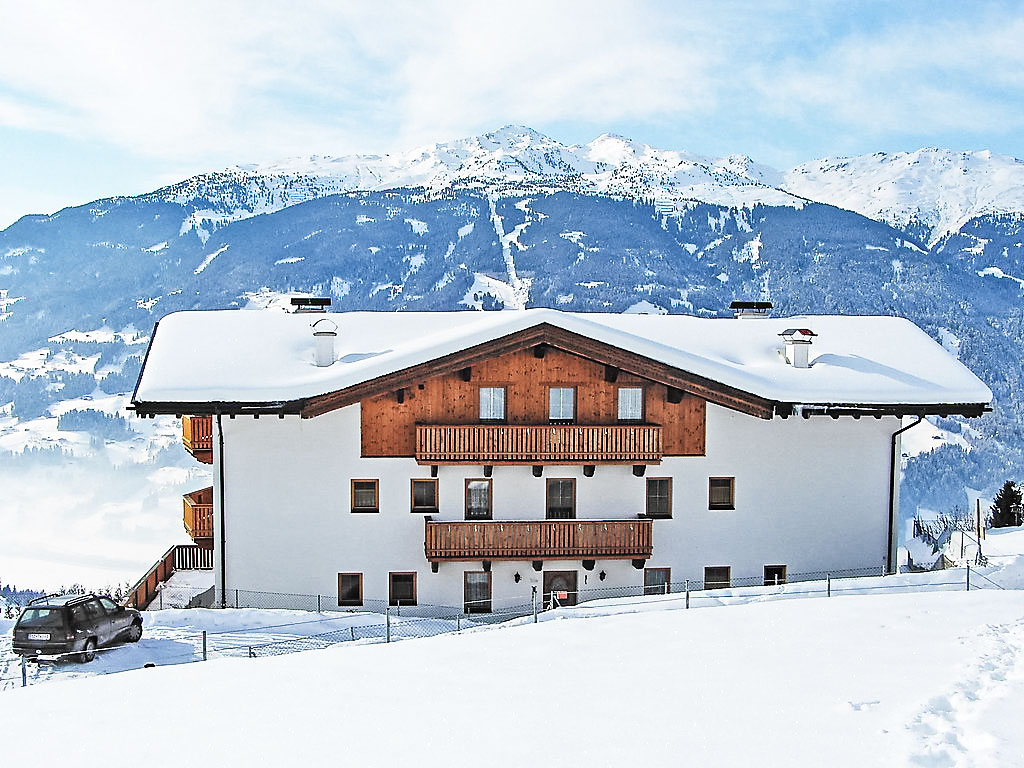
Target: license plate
(38, 635)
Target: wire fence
(377, 621)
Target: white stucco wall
(811, 494)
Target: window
(478, 499)
(774, 575)
(659, 497)
(717, 577)
(492, 403)
(350, 589)
(109, 605)
(364, 496)
(424, 495)
(631, 404)
(561, 403)
(401, 589)
(657, 581)
(561, 499)
(721, 493)
(477, 592)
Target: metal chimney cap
(798, 335)
(324, 327)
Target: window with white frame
(631, 403)
(561, 403)
(492, 403)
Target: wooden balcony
(541, 444)
(538, 540)
(197, 437)
(199, 516)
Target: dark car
(74, 624)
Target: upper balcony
(540, 444)
(197, 437)
(538, 540)
(198, 517)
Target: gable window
(717, 577)
(722, 493)
(478, 499)
(561, 504)
(492, 403)
(365, 496)
(631, 403)
(477, 592)
(774, 575)
(401, 589)
(424, 495)
(657, 581)
(350, 589)
(659, 497)
(561, 403)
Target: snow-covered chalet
(472, 458)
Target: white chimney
(798, 346)
(324, 333)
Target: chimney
(798, 345)
(748, 309)
(324, 333)
(301, 304)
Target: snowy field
(880, 676)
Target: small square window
(364, 496)
(350, 589)
(657, 581)
(631, 404)
(721, 493)
(717, 577)
(401, 589)
(659, 497)
(774, 575)
(477, 592)
(424, 495)
(478, 499)
(561, 504)
(561, 403)
(492, 403)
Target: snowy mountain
(930, 193)
(510, 219)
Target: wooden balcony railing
(197, 437)
(541, 444)
(180, 557)
(199, 515)
(538, 540)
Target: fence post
(535, 604)
(236, 598)
(828, 585)
(352, 631)
(968, 577)
(318, 603)
(387, 631)
(24, 673)
(687, 593)
(458, 622)
(204, 645)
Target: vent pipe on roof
(743, 309)
(324, 333)
(310, 304)
(798, 345)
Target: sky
(101, 98)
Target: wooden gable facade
(389, 421)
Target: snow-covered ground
(880, 676)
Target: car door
(98, 620)
(119, 618)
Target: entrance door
(562, 584)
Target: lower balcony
(538, 540)
(538, 444)
(199, 516)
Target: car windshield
(41, 617)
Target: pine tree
(1006, 507)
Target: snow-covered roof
(252, 356)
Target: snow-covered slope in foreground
(891, 679)
(934, 191)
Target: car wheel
(134, 632)
(88, 652)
